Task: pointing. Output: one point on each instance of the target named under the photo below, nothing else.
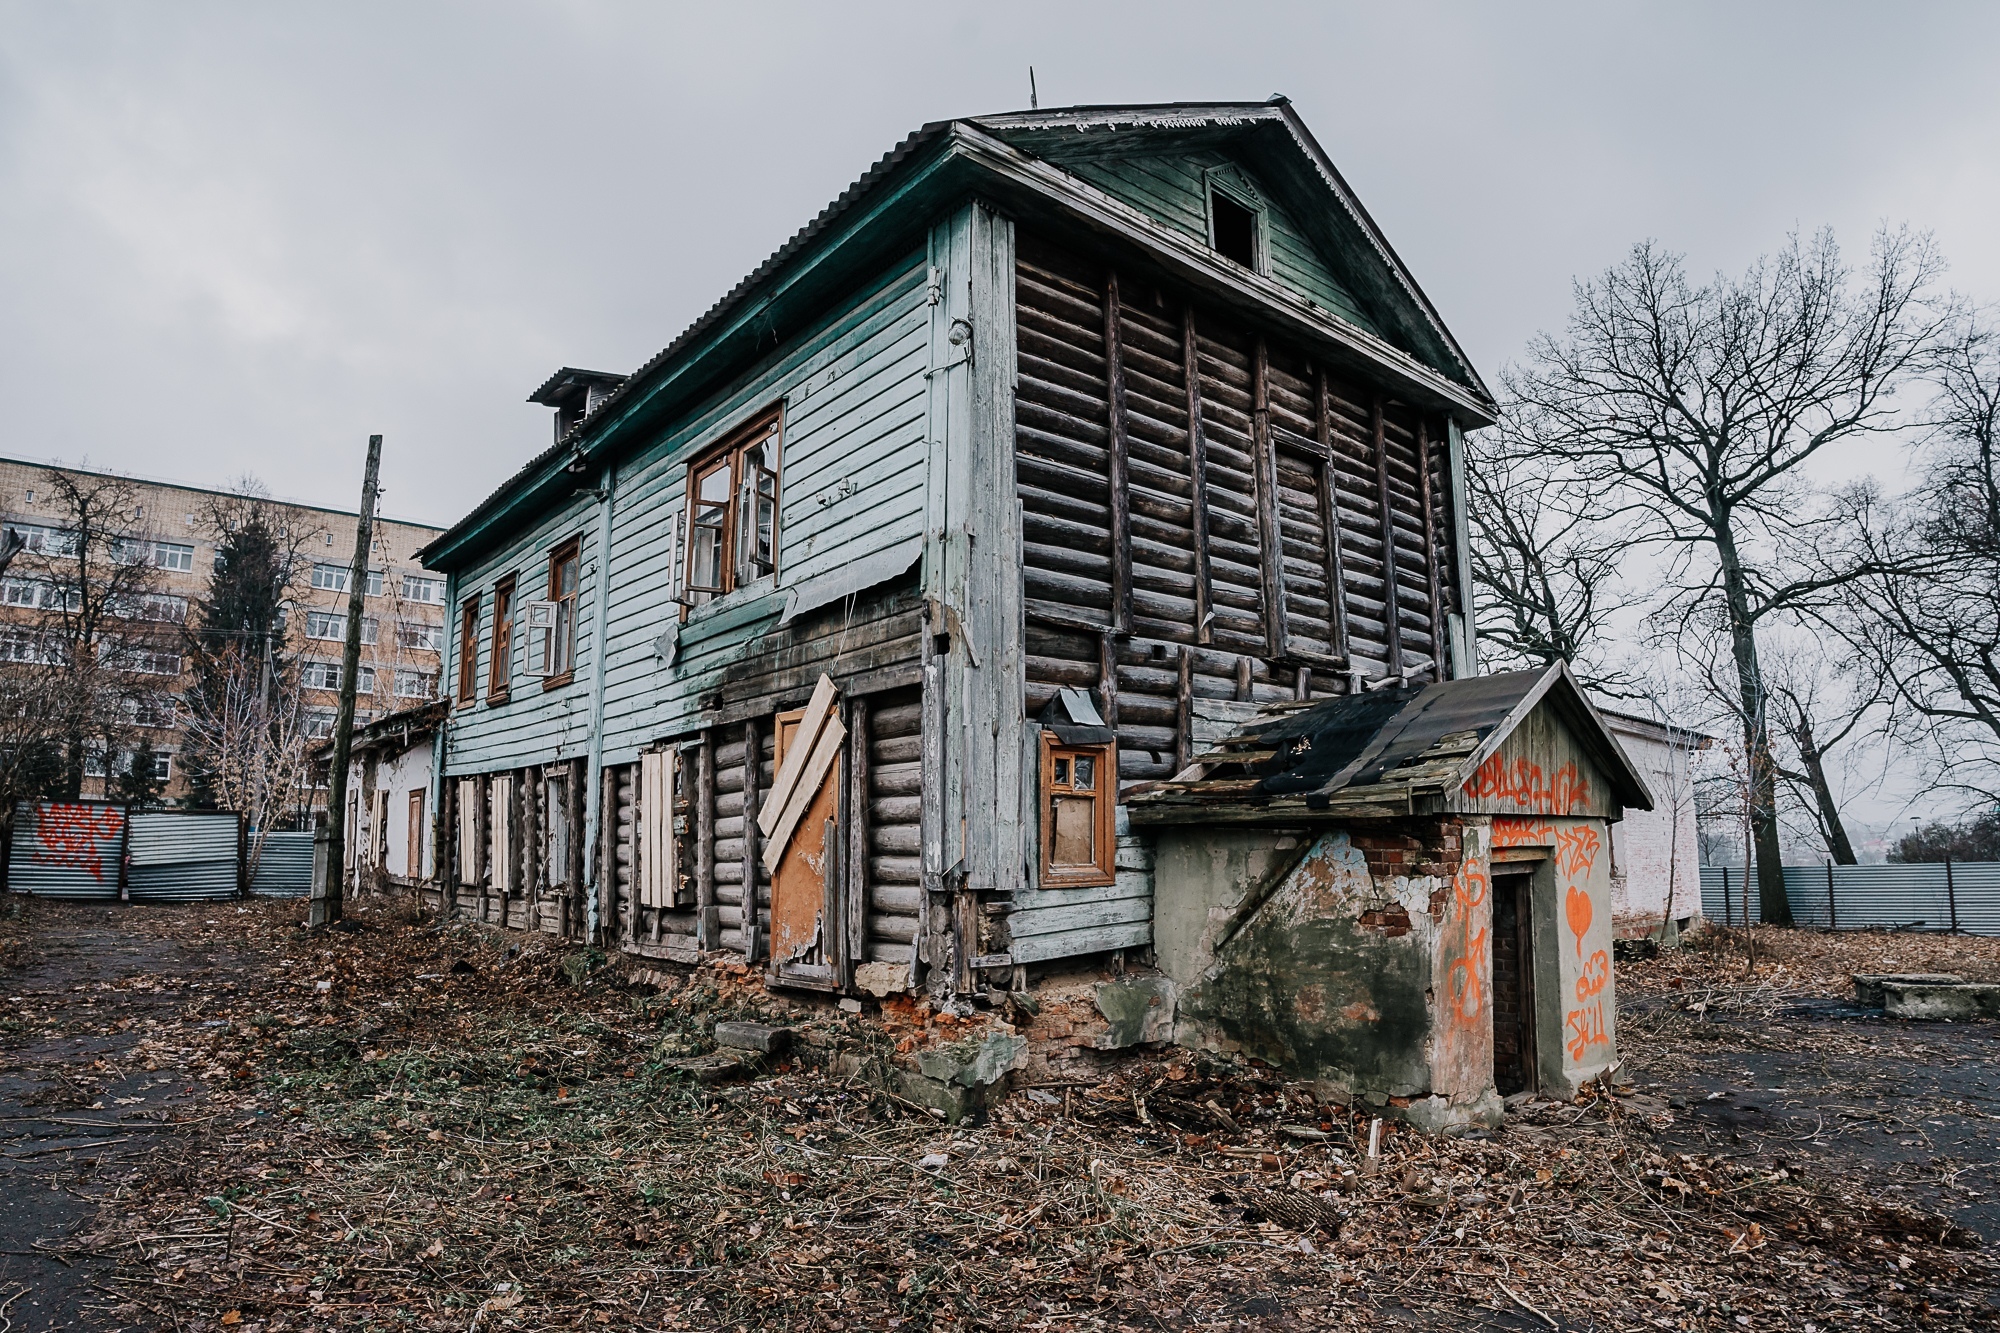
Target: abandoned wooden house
(843, 634)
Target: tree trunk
(1772, 904)
(1837, 844)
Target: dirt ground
(217, 1120)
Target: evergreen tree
(137, 784)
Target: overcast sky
(242, 237)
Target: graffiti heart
(1578, 911)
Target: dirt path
(77, 1112)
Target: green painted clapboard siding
(1172, 191)
(854, 393)
(534, 726)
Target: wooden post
(753, 764)
(1329, 515)
(1270, 536)
(1197, 478)
(1121, 491)
(1436, 589)
(579, 805)
(326, 904)
(855, 882)
(1392, 611)
(1243, 680)
(1184, 712)
(1107, 678)
(707, 925)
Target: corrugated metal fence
(182, 857)
(285, 868)
(1960, 895)
(67, 849)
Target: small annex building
(1405, 892)
(848, 636)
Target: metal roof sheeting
(66, 849)
(1923, 896)
(179, 857)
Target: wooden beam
(1270, 536)
(1243, 680)
(854, 881)
(1121, 489)
(1204, 594)
(1302, 683)
(707, 925)
(1107, 678)
(579, 804)
(1329, 514)
(1392, 610)
(1184, 711)
(753, 763)
(1430, 550)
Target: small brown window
(468, 650)
(564, 564)
(733, 512)
(1078, 786)
(500, 660)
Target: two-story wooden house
(841, 633)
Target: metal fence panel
(180, 857)
(285, 868)
(1926, 896)
(66, 849)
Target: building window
(559, 660)
(24, 645)
(131, 551)
(318, 724)
(320, 675)
(468, 648)
(161, 608)
(416, 684)
(155, 711)
(331, 626)
(733, 512)
(47, 541)
(332, 578)
(1078, 786)
(1234, 229)
(417, 634)
(140, 658)
(417, 588)
(173, 555)
(500, 661)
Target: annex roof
(1385, 753)
(999, 156)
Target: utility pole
(327, 888)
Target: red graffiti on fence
(1522, 784)
(73, 835)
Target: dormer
(575, 394)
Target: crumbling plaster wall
(1356, 956)
(1576, 999)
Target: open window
(551, 622)
(1236, 223)
(733, 512)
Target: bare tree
(1818, 705)
(1703, 404)
(1545, 554)
(249, 727)
(1924, 606)
(99, 618)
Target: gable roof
(893, 203)
(1380, 754)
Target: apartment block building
(173, 529)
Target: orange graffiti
(1577, 909)
(1523, 832)
(1576, 850)
(1595, 976)
(1522, 784)
(1469, 884)
(1468, 992)
(1586, 1029)
(75, 835)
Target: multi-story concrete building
(174, 530)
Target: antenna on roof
(1034, 98)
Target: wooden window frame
(1219, 185)
(766, 427)
(468, 651)
(500, 652)
(566, 610)
(1104, 790)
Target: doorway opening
(1513, 983)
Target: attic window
(1233, 229)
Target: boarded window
(468, 830)
(500, 820)
(733, 512)
(1077, 843)
(413, 846)
(658, 861)
(555, 788)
